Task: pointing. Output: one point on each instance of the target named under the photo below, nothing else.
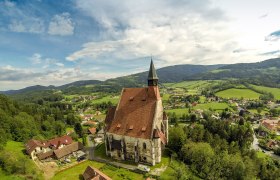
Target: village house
(55, 148)
(34, 147)
(94, 174)
(272, 126)
(137, 129)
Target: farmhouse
(56, 148)
(137, 129)
(271, 125)
(34, 147)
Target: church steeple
(152, 77)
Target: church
(137, 128)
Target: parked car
(81, 158)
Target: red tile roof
(32, 144)
(135, 111)
(45, 155)
(53, 143)
(56, 142)
(89, 123)
(92, 130)
(94, 174)
(59, 153)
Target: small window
(144, 158)
(130, 127)
(144, 146)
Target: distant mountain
(79, 84)
(175, 73)
(266, 72)
(51, 87)
(28, 89)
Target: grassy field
(238, 93)
(178, 112)
(75, 172)
(16, 150)
(274, 91)
(261, 154)
(263, 112)
(113, 99)
(165, 97)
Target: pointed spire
(152, 77)
(152, 72)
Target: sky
(48, 42)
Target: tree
(193, 118)
(200, 157)
(177, 138)
(78, 129)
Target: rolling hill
(261, 73)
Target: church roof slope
(135, 113)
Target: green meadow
(75, 172)
(274, 91)
(238, 93)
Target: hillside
(265, 72)
(261, 73)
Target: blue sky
(56, 42)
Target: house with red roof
(271, 125)
(35, 147)
(94, 174)
(137, 128)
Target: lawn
(74, 173)
(274, 91)
(113, 99)
(165, 159)
(9, 177)
(178, 112)
(238, 93)
(165, 97)
(16, 150)
(263, 112)
(261, 154)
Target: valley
(186, 103)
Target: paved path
(90, 148)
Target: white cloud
(15, 78)
(176, 32)
(32, 25)
(59, 64)
(36, 58)
(19, 18)
(61, 25)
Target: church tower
(152, 77)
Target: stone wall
(135, 149)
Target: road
(90, 148)
(255, 145)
